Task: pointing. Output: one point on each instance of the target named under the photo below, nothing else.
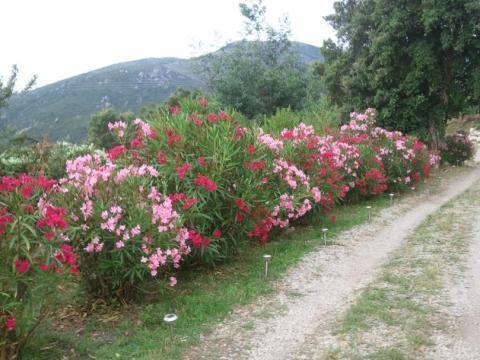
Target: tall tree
(260, 73)
(416, 61)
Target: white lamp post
(266, 259)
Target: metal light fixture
(266, 259)
(369, 208)
(169, 320)
(391, 198)
(325, 230)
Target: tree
(7, 90)
(417, 62)
(257, 76)
(98, 132)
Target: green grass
(398, 304)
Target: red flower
(182, 170)
(10, 323)
(256, 165)
(201, 161)
(217, 233)
(333, 219)
(175, 109)
(239, 217)
(44, 267)
(177, 196)
(189, 203)
(54, 218)
(116, 151)
(26, 191)
(203, 181)
(22, 265)
(202, 102)
(44, 183)
(48, 235)
(137, 143)
(161, 158)
(242, 205)
(152, 134)
(418, 145)
(223, 115)
(172, 136)
(251, 149)
(28, 209)
(212, 117)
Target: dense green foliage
(258, 77)
(42, 158)
(417, 62)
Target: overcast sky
(56, 39)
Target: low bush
(457, 149)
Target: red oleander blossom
(11, 323)
(202, 102)
(242, 205)
(161, 158)
(201, 161)
(251, 149)
(137, 143)
(205, 182)
(172, 136)
(256, 165)
(174, 110)
(217, 234)
(116, 152)
(22, 265)
(182, 170)
(189, 203)
(212, 118)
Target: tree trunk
(434, 137)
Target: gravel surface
(460, 340)
(296, 320)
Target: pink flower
(217, 233)
(173, 281)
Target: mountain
(61, 110)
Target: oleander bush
(457, 149)
(33, 251)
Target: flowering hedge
(192, 185)
(32, 251)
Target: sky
(57, 39)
